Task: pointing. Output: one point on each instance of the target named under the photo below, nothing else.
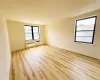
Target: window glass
(31, 32)
(85, 29)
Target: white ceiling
(45, 11)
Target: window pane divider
(84, 36)
(83, 30)
(32, 32)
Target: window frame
(85, 30)
(33, 33)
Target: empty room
(49, 39)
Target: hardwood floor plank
(52, 63)
(76, 67)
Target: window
(85, 29)
(32, 32)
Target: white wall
(61, 34)
(5, 54)
(17, 34)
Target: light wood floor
(50, 63)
